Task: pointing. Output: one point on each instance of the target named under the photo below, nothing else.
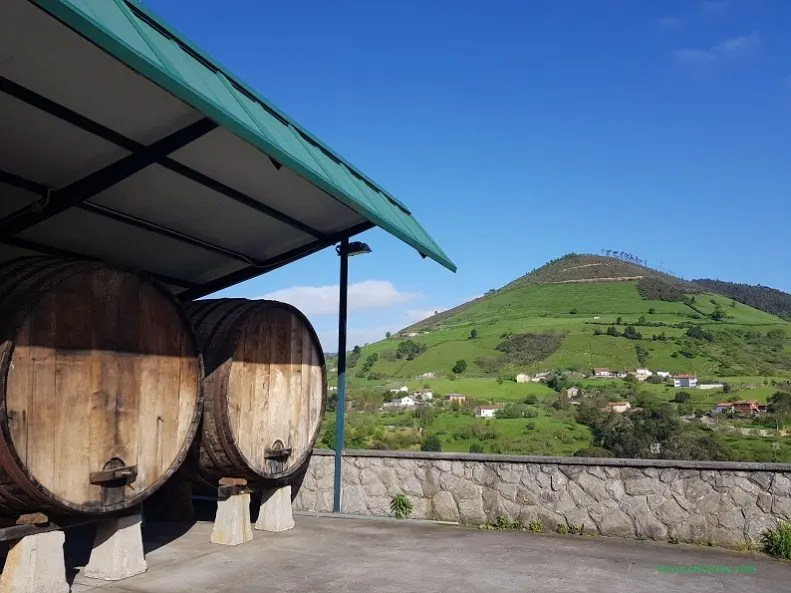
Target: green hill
(574, 314)
(558, 318)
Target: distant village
(403, 398)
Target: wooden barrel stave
(271, 350)
(141, 415)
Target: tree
(726, 388)
(354, 357)
(476, 448)
(618, 321)
(388, 335)
(460, 366)
(718, 314)
(573, 311)
(431, 443)
(611, 331)
(651, 311)
(473, 333)
(681, 397)
(643, 320)
(631, 333)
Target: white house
(642, 374)
(538, 377)
(602, 373)
(486, 411)
(523, 378)
(685, 381)
(455, 397)
(663, 374)
(402, 389)
(619, 407)
(722, 407)
(404, 402)
(423, 395)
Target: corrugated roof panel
(143, 42)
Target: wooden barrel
(100, 387)
(264, 389)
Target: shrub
(531, 399)
(536, 526)
(573, 312)
(593, 452)
(681, 397)
(476, 448)
(777, 541)
(522, 349)
(431, 443)
(401, 506)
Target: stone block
(117, 549)
(232, 523)
(444, 507)
(616, 523)
(275, 513)
(35, 564)
(637, 486)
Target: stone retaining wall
(727, 504)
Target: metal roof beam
(65, 253)
(166, 232)
(81, 190)
(155, 154)
(281, 260)
(22, 183)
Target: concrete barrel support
(232, 523)
(275, 514)
(35, 564)
(117, 549)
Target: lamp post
(344, 250)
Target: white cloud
(739, 45)
(415, 315)
(730, 48)
(670, 22)
(323, 300)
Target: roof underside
(123, 143)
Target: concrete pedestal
(117, 549)
(275, 513)
(35, 564)
(232, 523)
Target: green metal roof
(142, 41)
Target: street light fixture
(345, 250)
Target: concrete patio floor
(383, 556)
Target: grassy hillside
(764, 298)
(576, 313)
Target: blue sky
(519, 131)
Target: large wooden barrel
(265, 389)
(100, 387)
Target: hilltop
(572, 313)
